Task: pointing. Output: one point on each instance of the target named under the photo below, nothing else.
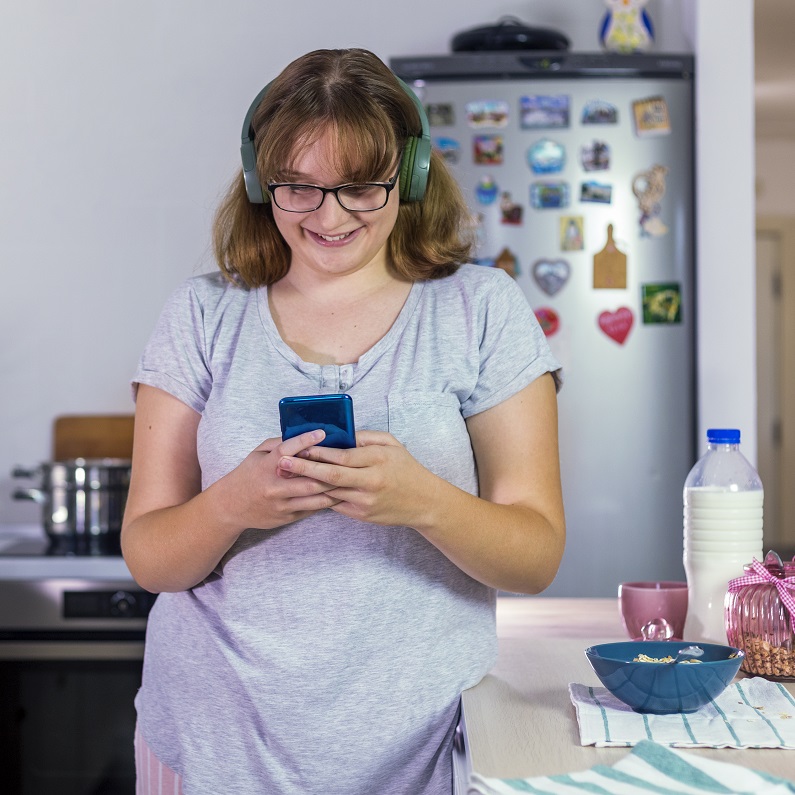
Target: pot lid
(509, 33)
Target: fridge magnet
(507, 261)
(551, 275)
(487, 113)
(541, 111)
(548, 320)
(448, 148)
(546, 195)
(596, 192)
(649, 188)
(595, 156)
(598, 111)
(546, 157)
(662, 303)
(510, 212)
(486, 190)
(618, 324)
(651, 117)
(626, 26)
(571, 234)
(488, 150)
(610, 266)
(440, 114)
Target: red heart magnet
(548, 320)
(617, 324)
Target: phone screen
(331, 413)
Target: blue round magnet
(546, 157)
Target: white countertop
(519, 719)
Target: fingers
(300, 495)
(365, 438)
(339, 467)
(370, 440)
(292, 446)
(360, 474)
(330, 474)
(301, 507)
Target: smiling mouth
(332, 240)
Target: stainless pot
(81, 499)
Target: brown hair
(353, 95)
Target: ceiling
(774, 45)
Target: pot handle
(21, 472)
(37, 495)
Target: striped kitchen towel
(751, 713)
(649, 767)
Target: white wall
(725, 244)
(121, 124)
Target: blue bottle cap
(723, 436)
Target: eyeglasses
(362, 197)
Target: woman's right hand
(264, 496)
(174, 533)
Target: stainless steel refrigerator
(578, 170)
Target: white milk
(716, 547)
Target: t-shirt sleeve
(513, 348)
(175, 358)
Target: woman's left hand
(378, 481)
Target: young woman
(322, 609)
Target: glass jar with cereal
(760, 611)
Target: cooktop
(37, 547)
(27, 553)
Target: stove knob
(122, 603)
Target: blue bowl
(658, 688)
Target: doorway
(775, 305)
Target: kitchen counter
(519, 721)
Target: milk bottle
(723, 505)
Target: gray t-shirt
(328, 656)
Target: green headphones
(413, 168)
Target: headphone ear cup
(414, 169)
(416, 155)
(256, 193)
(407, 169)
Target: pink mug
(642, 602)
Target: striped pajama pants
(152, 777)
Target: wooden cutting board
(93, 436)
(610, 265)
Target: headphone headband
(413, 170)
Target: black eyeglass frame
(388, 186)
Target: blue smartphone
(331, 413)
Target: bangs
(360, 150)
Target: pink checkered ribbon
(785, 587)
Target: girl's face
(333, 241)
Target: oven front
(71, 654)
